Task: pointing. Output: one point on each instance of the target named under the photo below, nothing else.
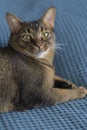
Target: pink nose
(38, 45)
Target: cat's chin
(41, 54)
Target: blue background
(70, 62)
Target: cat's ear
(49, 16)
(13, 22)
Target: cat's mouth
(42, 53)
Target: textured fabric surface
(70, 63)
(67, 116)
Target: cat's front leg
(61, 83)
(57, 95)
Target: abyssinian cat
(27, 77)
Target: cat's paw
(64, 84)
(81, 92)
(70, 85)
(73, 85)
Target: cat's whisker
(59, 44)
(57, 47)
(56, 52)
(62, 43)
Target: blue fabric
(70, 63)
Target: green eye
(44, 35)
(26, 37)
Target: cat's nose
(39, 45)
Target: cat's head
(35, 37)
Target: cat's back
(5, 66)
(5, 55)
(6, 52)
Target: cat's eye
(44, 35)
(26, 37)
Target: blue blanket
(70, 63)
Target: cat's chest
(31, 73)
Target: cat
(27, 76)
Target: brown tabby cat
(27, 77)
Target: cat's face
(33, 38)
